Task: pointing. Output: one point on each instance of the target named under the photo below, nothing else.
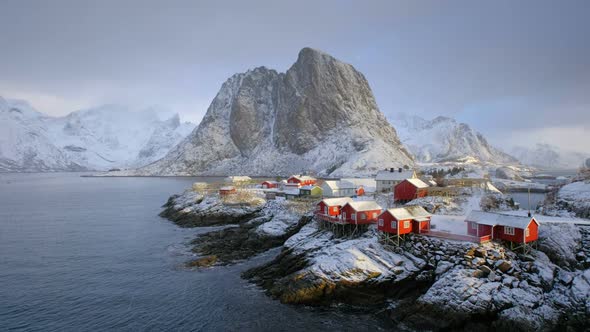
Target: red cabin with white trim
(517, 229)
(400, 221)
(301, 180)
(329, 209)
(270, 184)
(361, 212)
(224, 191)
(409, 189)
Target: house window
(363, 216)
(527, 232)
(353, 216)
(508, 230)
(326, 210)
(374, 215)
(334, 209)
(381, 222)
(407, 224)
(473, 225)
(394, 224)
(344, 215)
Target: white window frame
(353, 216)
(375, 215)
(406, 224)
(509, 230)
(381, 222)
(363, 216)
(527, 232)
(473, 225)
(343, 215)
(326, 209)
(394, 224)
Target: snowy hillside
(547, 156)
(95, 139)
(319, 116)
(444, 139)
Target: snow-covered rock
(444, 139)
(320, 116)
(95, 139)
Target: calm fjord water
(82, 254)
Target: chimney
(391, 170)
(400, 169)
(529, 214)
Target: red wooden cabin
(515, 229)
(224, 191)
(329, 209)
(360, 191)
(361, 212)
(404, 220)
(270, 184)
(409, 189)
(302, 180)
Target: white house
(368, 184)
(333, 188)
(388, 178)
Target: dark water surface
(80, 254)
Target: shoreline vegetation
(425, 283)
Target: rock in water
(320, 116)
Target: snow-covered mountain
(95, 139)
(548, 156)
(444, 139)
(318, 116)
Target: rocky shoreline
(434, 284)
(426, 283)
(253, 227)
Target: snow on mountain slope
(547, 156)
(318, 116)
(444, 139)
(95, 139)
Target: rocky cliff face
(444, 139)
(318, 116)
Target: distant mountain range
(319, 116)
(443, 139)
(101, 138)
(548, 156)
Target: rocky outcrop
(320, 115)
(435, 284)
(508, 173)
(192, 209)
(256, 225)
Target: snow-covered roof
(337, 201)
(364, 205)
(410, 212)
(493, 219)
(396, 175)
(227, 188)
(238, 179)
(273, 182)
(292, 192)
(335, 185)
(418, 183)
(302, 177)
(307, 187)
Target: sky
(518, 71)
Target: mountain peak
(320, 115)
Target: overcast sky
(515, 70)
